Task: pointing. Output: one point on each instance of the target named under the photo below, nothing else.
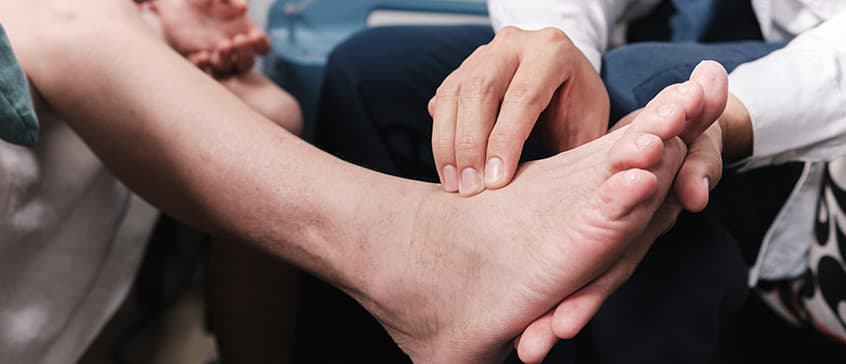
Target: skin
(215, 35)
(252, 294)
(452, 280)
(486, 109)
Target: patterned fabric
(818, 297)
(18, 123)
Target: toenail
(632, 177)
(644, 141)
(450, 178)
(494, 171)
(666, 111)
(470, 182)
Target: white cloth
(796, 96)
(62, 272)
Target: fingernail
(707, 183)
(632, 177)
(666, 111)
(450, 178)
(494, 171)
(686, 87)
(470, 181)
(644, 141)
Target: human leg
(381, 239)
(373, 113)
(253, 297)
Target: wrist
(737, 133)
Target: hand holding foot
(476, 272)
(703, 163)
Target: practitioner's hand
(700, 172)
(486, 109)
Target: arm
(588, 23)
(805, 119)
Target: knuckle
(553, 35)
(447, 91)
(502, 140)
(442, 143)
(467, 143)
(477, 87)
(522, 93)
(508, 32)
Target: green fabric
(18, 122)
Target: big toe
(713, 79)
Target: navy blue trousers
(682, 303)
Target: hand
(700, 172)
(232, 57)
(216, 35)
(485, 110)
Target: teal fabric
(18, 121)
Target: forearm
(737, 134)
(189, 146)
(794, 98)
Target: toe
(713, 79)
(623, 192)
(635, 149)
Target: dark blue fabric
(634, 74)
(18, 122)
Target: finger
(443, 133)
(200, 59)
(528, 94)
(713, 79)
(701, 171)
(478, 104)
(537, 340)
(578, 309)
(260, 41)
(221, 60)
(245, 56)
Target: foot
(476, 272)
(216, 35)
(702, 161)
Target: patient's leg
(253, 296)
(453, 280)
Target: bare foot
(708, 79)
(216, 35)
(473, 274)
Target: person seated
(433, 268)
